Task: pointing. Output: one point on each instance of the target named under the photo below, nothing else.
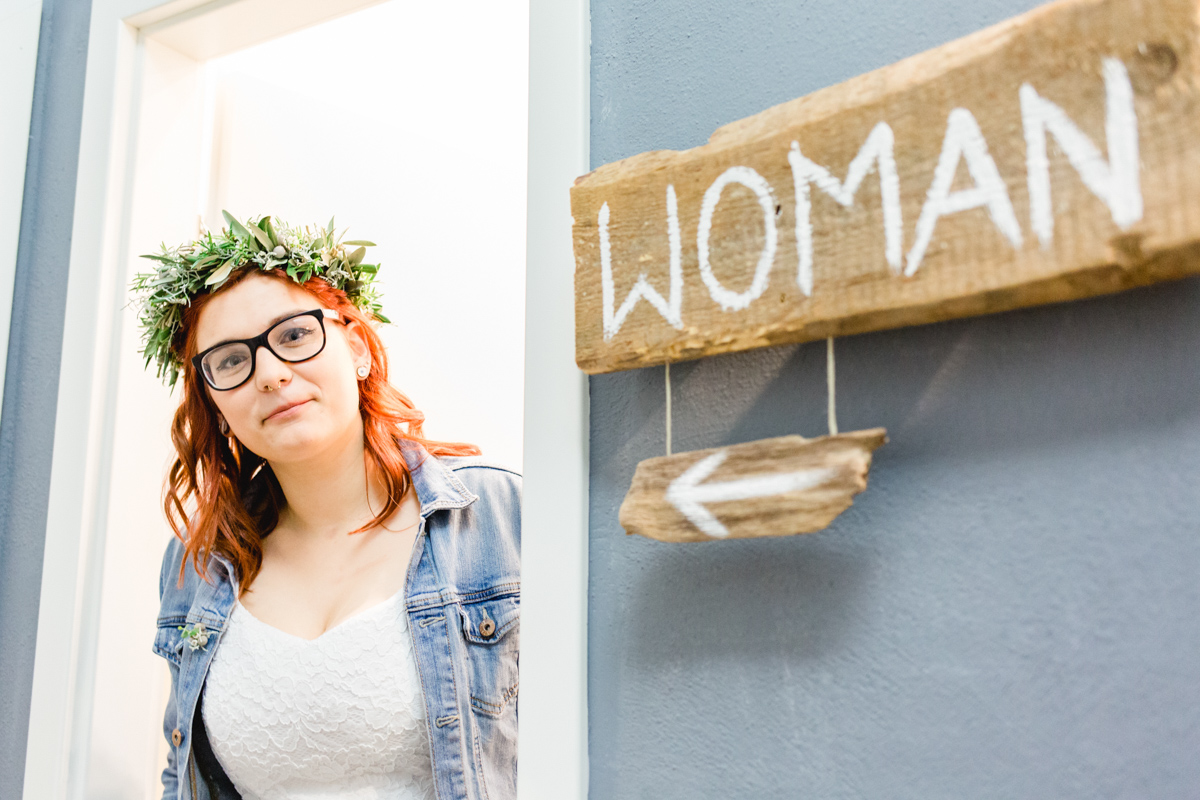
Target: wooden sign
(1051, 157)
(773, 487)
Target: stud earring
(223, 425)
(364, 371)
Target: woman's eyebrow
(270, 324)
(287, 314)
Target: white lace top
(338, 716)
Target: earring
(223, 425)
(364, 371)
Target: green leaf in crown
(203, 265)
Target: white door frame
(553, 722)
(553, 743)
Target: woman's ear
(356, 339)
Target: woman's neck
(330, 495)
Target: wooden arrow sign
(772, 487)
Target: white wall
(407, 121)
(21, 22)
(126, 749)
(415, 135)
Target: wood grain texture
(1017, 82)
(661, 503)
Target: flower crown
(204, 264)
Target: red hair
(235, 494)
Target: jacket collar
(435, 483)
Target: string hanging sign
(1045, 159)
(772, 487)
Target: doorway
(407, 123)
(151, 54)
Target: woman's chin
(295, 441)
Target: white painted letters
(878, 148)
(727, 300)
(672, 308)
(1116, 182)
(963, 140)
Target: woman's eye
(230, 362)
(295, 335)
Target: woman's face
(285, 411)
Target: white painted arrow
(689, 495)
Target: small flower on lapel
(196, 635)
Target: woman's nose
(269, 370)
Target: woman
(340, 601)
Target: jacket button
(176, 737)
(487, 628)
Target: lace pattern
(338, 716)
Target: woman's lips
(286, 412)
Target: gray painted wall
(34, 350)
(1009, 611)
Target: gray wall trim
(34, 351)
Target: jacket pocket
(168, 642)
(491, 629)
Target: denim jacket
(462, 596)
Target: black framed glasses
(298, 338)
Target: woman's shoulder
(493, 502)
(178, 580)
(480, 475)
(175, 593)
(178, 586)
